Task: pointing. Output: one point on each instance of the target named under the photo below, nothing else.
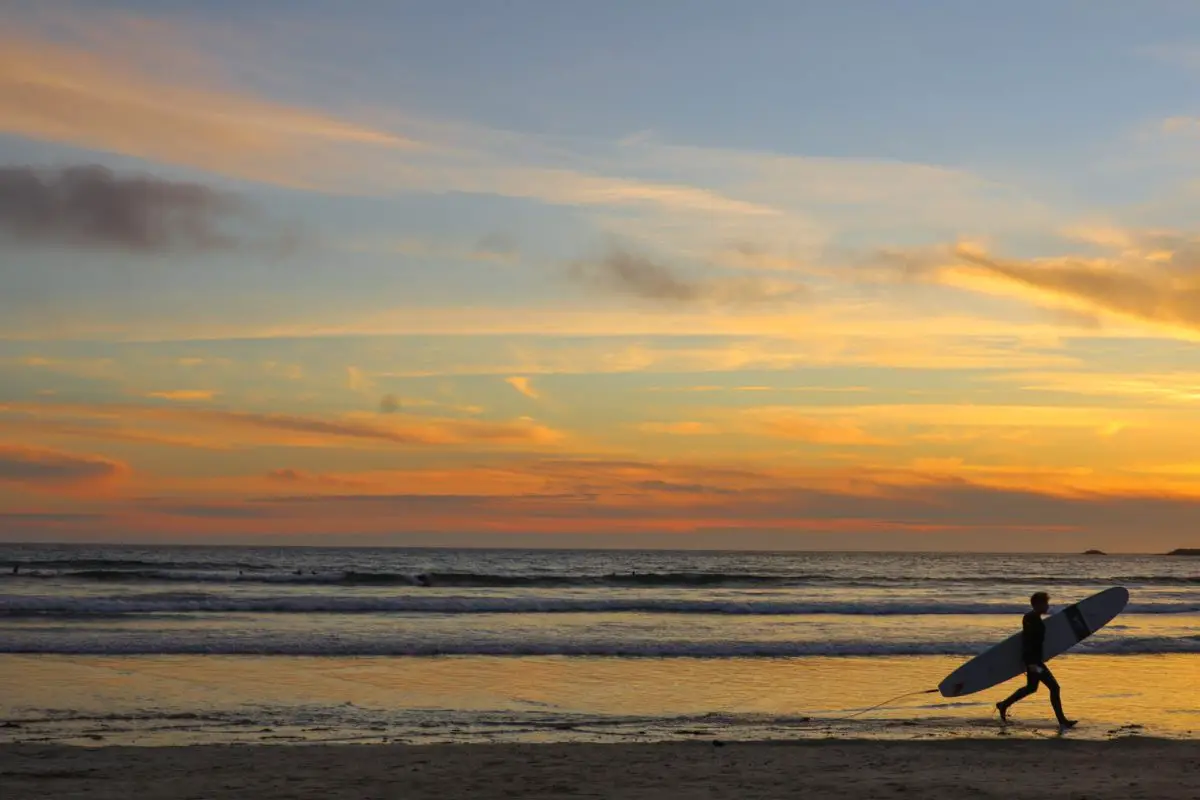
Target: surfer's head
(1040, 602)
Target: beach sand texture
(1128, 768)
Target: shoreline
(1129, 767)
(195, 700)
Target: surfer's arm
(1033, 636)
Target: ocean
(127, 644)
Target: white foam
(193, 602)
(306, 646)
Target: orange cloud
(82, 367)
(412, 430)
(221, 429)
(1058, 508)
(54, 470)
(684, 428)
(299, 477)
(791, 424)
(359, 381)
(1169, 387)
(484, 481)
(109, 429)
(1151, 277)
(522, 385)
(641, 498)
(183, 395)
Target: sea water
(112, 644)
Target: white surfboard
(1064, 630)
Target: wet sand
(1126, 768)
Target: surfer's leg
(1031, 685)
(1055, 696)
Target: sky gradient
(758, 275)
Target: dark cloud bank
(90, 206)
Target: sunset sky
(781, 274)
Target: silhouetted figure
(1033, 637)
(16, 568)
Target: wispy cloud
(90, 88)
(1161, 287)
(681, 428)
(93, 89)
(747, 255)
(1185, 55)
(496, 248)
(299, 477)
(183, 395)
(1139, 277)
(78, 93)
(408, 431)
(1181, 388)
(1181, 125)
(523, 385)
(629, 273)
(803, 426)
(96, 368)
(191, 426)
(357, 380)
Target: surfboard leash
(879, 705)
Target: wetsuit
(1033, 637)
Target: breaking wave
(135, 571)
(199, 602)
(637, 649)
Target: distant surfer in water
(1033, 636)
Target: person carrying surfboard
(1033, 637)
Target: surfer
(1033, 636)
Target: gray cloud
(389, 404)
(1155, 279)
(961, 512)
(497, 245)
(90, 206)
(632, 274)
(51, 468)
(1151, 293)
(682, 488)
(198, 511)
(298, 476)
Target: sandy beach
(1127, 768)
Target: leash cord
(879, 705)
